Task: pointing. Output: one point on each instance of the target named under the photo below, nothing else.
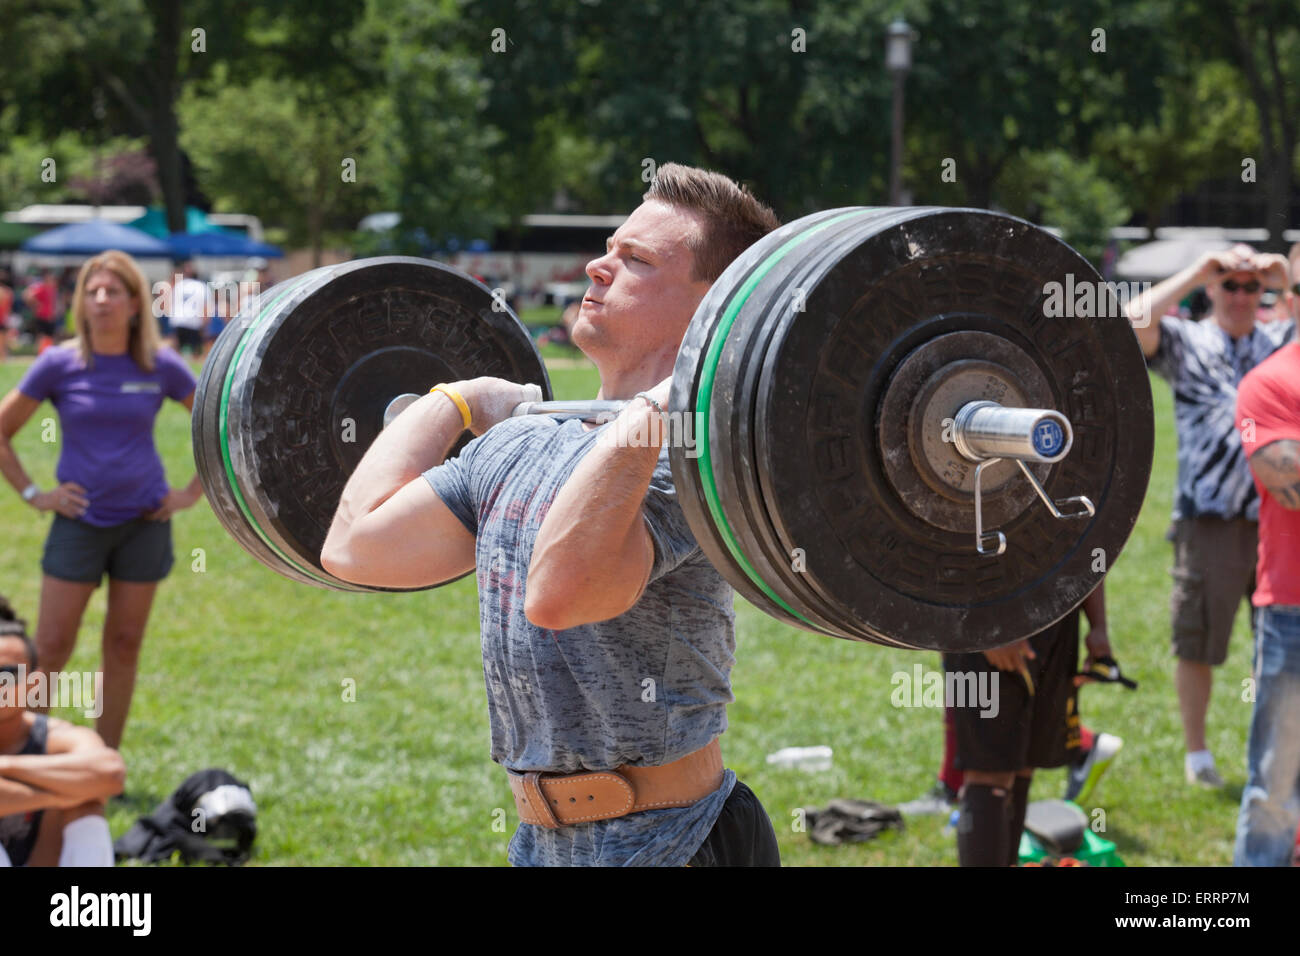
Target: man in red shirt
(42, 297)
(1268, 417)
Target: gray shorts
(1214, 571)
(138, 550)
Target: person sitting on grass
(54, 776)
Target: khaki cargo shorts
(1214, 570)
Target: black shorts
(1038, 729)
(139, 551)
(741, 836)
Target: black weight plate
(737, 372)
(733, 352)
(686, 373)
(206, 434)
(310, 379)
(744, 498)
(943, 270)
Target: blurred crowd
(191, 308)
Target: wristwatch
(30, 492)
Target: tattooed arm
(1277, 466)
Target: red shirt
(43, 293)
(1268, 410)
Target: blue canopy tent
(219, 243)
(95, 236)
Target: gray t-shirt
(645, 688)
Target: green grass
(245, 670)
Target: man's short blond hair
(733, 219)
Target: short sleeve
(450, 481)
(1263, 413)
(43, 377)
(178, 381)
(1168, 359)
(666, 522)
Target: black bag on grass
(211, 818)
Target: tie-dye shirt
(1203, 365)
(645, 688)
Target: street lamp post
(898, 60)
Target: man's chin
(584, 336)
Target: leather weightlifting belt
(560, 800)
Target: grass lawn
(247, 671)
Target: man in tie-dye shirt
(1216, 508)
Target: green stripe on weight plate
(705, 395)
(225, 434)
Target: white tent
(1154, 261)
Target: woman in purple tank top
(112, 506)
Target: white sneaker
(1206, 777)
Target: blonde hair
(142, 344)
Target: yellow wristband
(456, 397)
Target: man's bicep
(411, 540)
(1277, 466)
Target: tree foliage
(465, 116)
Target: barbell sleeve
(984, 430)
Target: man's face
(643, 292)
(1236, 296)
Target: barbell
(890, 438)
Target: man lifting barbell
(607, 636)
(892, 439)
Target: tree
(781, 95)
(1057, 189)
(313, 165)
(59, 56)
(1205, 125)
(1261, 38)
(994, 79)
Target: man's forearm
(417, 440)
(593, 553)
(1277, 465)
(18, 797)
(1163, 296)
(78, 775)
(1094, 606)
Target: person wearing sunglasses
(54, 776)
(1216, 506)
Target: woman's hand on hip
(68, 499)
(176, 499)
